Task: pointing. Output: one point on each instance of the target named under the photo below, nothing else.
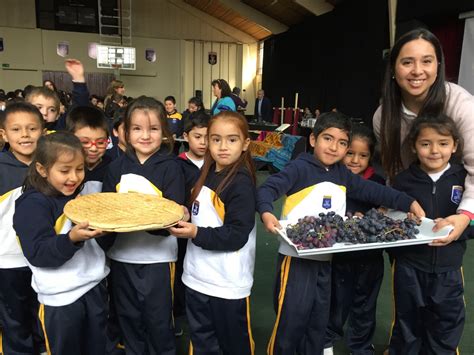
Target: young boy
(313, 184)
(21, 125)
(90, 126)
(47, 101)
(195, 134)
(119, 143)
(175, 120)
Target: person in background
(263, 108)
(50, 85)
(115, 86)
(241, 104)
(415, 85)
(224, 102)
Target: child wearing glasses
(90, 126)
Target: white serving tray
(425, 236)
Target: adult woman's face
(416, 68)
(217, 91)
(120, 90)
(49, 85)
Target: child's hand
(417, 210)
(186, 216)
(184, 230)
(459, 221)
(80, 233)
(270, 222)
(75, 68)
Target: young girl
(143, 263)
(68, 265)
(219, 262)
(427, 279)
(356, 277)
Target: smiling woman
(415, 85)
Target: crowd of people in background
(56, 145)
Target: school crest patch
(456, 194)
(195, 208)
(327, 203)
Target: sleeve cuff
(467, 213)
(66, 247)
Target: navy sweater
(439, 199)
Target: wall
(181, 36)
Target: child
(357, 276)
(428, 280)
(22, 125)
(313, 184)
(91, 127)
(119, 143)
(220, 257)
(143, 262)
(68, 265)
(174, 117)
(48, 102)
(195, 134)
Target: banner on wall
(1, 44)
(150, 55)
(466, 68)
(62, 49)
(212, 58)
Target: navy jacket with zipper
(438, 201)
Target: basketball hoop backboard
(115, 57)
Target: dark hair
(196, 119)
(49, 148)
(236, 90)
(223, 85)
(86, 116)
(198, 102)
(245, 160)
(25, 107)
(52, 83)
(333, 119)
(390, 125)
(360, 131)
(147, 104)
(46, 93)
(441, 123)
(170, 98)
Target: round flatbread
(124, 212)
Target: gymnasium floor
(261, 305)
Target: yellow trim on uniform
(1, 342)
(172, 275)
(218, 205)
(117, 187)
(249, 327)
(43, 326)
(393, 300)
(4, 197)
(294, 200)
(191, 350)
(58, 226)
(284, 273)
(463, 294)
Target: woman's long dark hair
(224, 86)
(245, 160)
(47, 152)
(390, 125)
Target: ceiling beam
(231, 31)
(256, 16)
(317, 7)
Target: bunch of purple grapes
(327, 229)
(315, 232)
(375, 227)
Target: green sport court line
(261, 300)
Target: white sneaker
(328, 351)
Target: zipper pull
(433, 190)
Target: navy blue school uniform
(191, 174)
(428, 281)
(303, 284)
(355, 285)
(94, 178)
(80, 97)
(22, 333)
(67, 276)
(143, 263)
(114, 152)
(218, 267)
